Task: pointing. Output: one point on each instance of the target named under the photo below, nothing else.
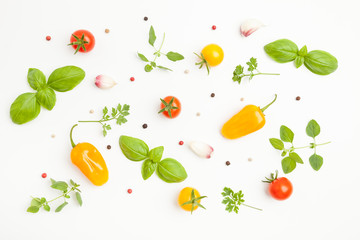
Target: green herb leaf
(59, 208)
(36, 202)
(313, 129)
(25, 108)
(78, 198)
(277, 143)
(148, 168)
(148, 68)
(316, 161)
(294, 156)
(60, 185)
(134, 149)
(288, 165)
(36, 78)
(171, 171)
(164, 68)
(156, 154)
(174, 56)
(282, 50)
(286, 134)
(47, 208)
(321, 62)
(299, 60)
(142, 57)
(283, 154)
(33, 209)
(152, 36)
(46, 97)
(153, 64)
(65, 78)
(303, 51)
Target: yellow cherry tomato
(189, 199)
(213, 54)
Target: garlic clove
(201, 149)
(250, 26)
(104, 82)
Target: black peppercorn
(144, 125)
(227, 163)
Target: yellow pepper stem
(71, 139)
(264, 108)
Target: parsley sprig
(119, 113)
(238, 74)
(194, 201)
(37, 203)
(234, 200)
(172, 56)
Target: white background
(324, 204)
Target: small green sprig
(238, 74)
(286, 135)
(37, 203)
(234, 200)
(172, 56)
(194, 201)
(119, 113)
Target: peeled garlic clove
(203, 150)
(249, 26)
(104, 82)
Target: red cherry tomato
(170, 107)
(82, 41)
(279, 188)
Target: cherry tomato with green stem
(211, 56)
(170, 107)
(189, 199)
(82, 41)
(279, 188)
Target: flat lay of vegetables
(89, 161)
(26, 107)
(250, 119)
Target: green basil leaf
(47, 208)
(148, 68)
(59, 208)
(142, 57)
(164, 68)
(152, 36)
(46, 97)
(153, 64)
(156, 154)
(60, 185)
(134, 149)
(286, 134)
(36, 202)
(78, 198)
(316, 161)
(66, 78)
(36, 78)
(148, 168)
(282, 50)
(303, 51)
(33, 209)
(174, 56)
(320, 62)
(313, 128)
(288, 165)
(171, 171)
(277, 143)
(283, 154)
(25, 108)
(299, 60)
(294, 156)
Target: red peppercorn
(213, 27)
(129, 191)
(48, 38)
(132, 79)
(181, 143)
(44, 175)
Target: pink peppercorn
(129, 191)
(181, 143)
(213, 27)
(44, 175)
(48, 38)
(132, 79)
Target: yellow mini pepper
(250, 119)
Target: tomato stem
(71, 139)
(264, 108)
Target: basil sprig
(169, 170)
(317, 61)
(26, 107)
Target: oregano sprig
(119, 113)
(37, 202)
(238, 74)
(172, 56)
(287, 136)
(233, 200)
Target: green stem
(320, 144)
(158, 51)
(264, 108)
(100, 121)
(72, 189)
(71, 138)
(251, 207)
